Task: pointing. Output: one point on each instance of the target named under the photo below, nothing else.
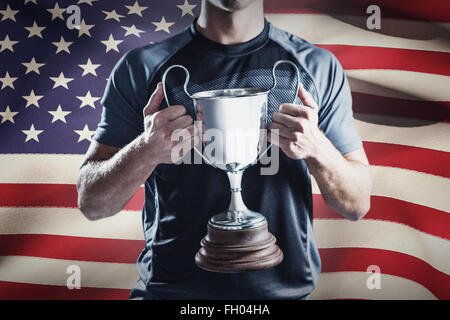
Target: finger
(297, 110)
(306, 98)
(172, 112)
(282, 130)
(155, 100)
(293, 123)
(277, 140)
(180, 123)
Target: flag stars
(136, 9)
(61, 81)
(88, 100)
(111, 43)
(8, 13)
(32, 134)
(7, 44)
(59, 114)
(8, 81)
(163, 25)
(57, 12)
(186, 8)
(84, 134)
(89, 2)
(132, 30)
(84, 28)
(89, 67)
(8, 115)
(113, 15)
(32, 99)
(32, 66)
(62, 45)
(35, 30)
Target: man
(230, 45)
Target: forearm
(344, 184)
(105, 186)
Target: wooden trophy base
(231, 251)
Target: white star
(135, 8)
(89, 2)
(8, 115)
(89, 67)
(88, 100)
(112, 15)
(35, 30)
(32, 134)
(32, 99)
(84, 134)
(33, 66)
(111, 44)
(7, 81)
(33, 1)
(187, 8)
(132, 30)
(62, 45)
(8, 13)
(7, 44)
(84, 28)
(57, 12)
(61, 81)
(163, 25)
(59, 114)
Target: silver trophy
(235, 123)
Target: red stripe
(406, 157)
(27, 291)
(50, 195)
(70, 248)
(390, 262)
(438, 111)
(432, 10)
(428, 220)
(360, 57)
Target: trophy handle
(186, 81)
(275, 84)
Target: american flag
(52, 78)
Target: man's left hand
(296, 127)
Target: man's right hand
(159, 127)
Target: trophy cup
(238, 239)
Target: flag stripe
(389, 262)
(361, 57)
(436, 10)
(437, 111)
(405, 157)
(421, 218)
(404, 131)
(400, 84)
(376, 234)
(29, 291)
(323, 29)
(353, 285)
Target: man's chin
(232, 5)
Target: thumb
(155, 100)
(306, 98)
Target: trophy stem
(237, 205)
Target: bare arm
(345, 181)
(110, 176)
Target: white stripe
(70, 222)
(353, 285)
(335, 233)
(408, 185)
(325, 29)
(400, 84)
(408, 132)
(54, 272)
